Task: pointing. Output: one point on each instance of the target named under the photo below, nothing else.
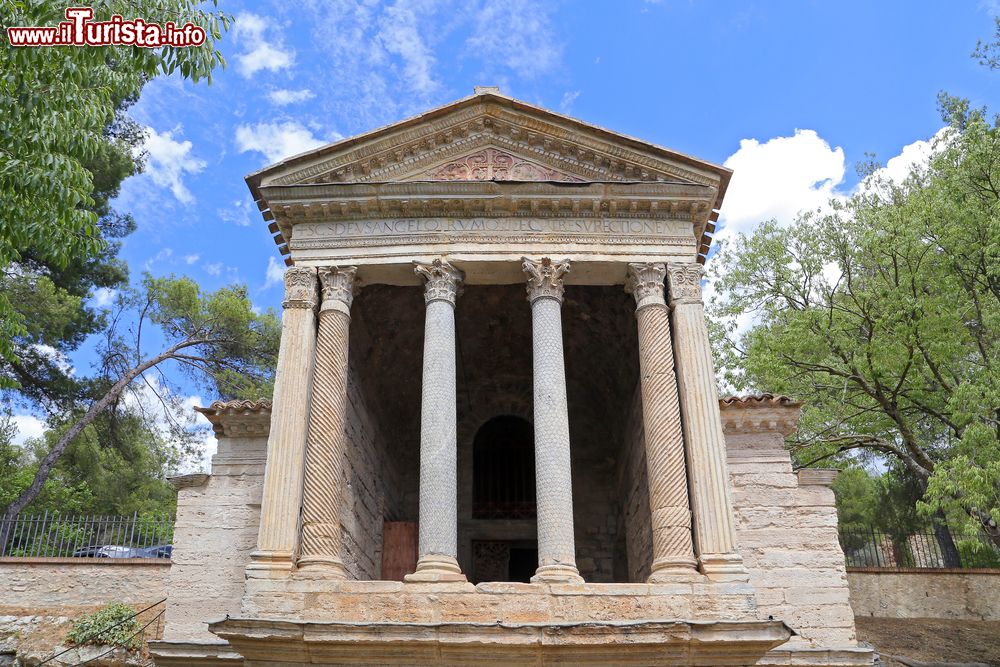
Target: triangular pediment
(491, 137)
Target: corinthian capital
(300, 287)
(645, 282)
(685, 283)
(545, 278)
(443, 281)
(338, 287)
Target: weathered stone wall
(786, 526)
(216, 529)
(633, 485)
(955, 595)
(68, 586)
(370, 488)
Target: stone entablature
(492, 140)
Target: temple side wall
(633, 486)
(370, 491)
(786, 527)
(216, 529)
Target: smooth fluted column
(322, 494)
(282, 497)
(553, 475)
(438, 527)
(708, 476)
(670, 512)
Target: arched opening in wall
(503, 469)
(503, 489)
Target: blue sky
(790, 94)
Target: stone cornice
(759, 414)
(239, 419)
(295, 205)
(561, 146)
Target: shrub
(114, 624)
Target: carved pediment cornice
(489, 130)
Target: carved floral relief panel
(494, 165)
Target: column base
(557, 574)
(671, 570)
(434, 568)
(723, 567)
(322, 567)
(271, 560)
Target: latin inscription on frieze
(481, 226)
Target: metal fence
(867, 547)
(135, 536)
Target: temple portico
(495, 435)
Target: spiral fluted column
(279, 508)
(438, 526)
(670, 511)
(714, 532)
(322, 494)
(553, 474)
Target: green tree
(884, 316)
(56, 107)
(215, 338)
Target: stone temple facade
(495, 437)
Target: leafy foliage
(56, 107)
(112, 625)
(216, 338)
(884, 315)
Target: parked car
(108, 551)
(159, 551)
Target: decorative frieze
(495, 165)
(545, 278)
(406, 152)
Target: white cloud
(275, 272)
(401, 36)
(28, 426)
(912, 156)
(164, 254)
(283, 96)
(238, 213)
(530, 46)
(276, 140)
(191, 259)
(567, 100)
(168, 160)
(250, 32)
(104, 296)
(214, 269)
(778, 178)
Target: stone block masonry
(952, 594)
